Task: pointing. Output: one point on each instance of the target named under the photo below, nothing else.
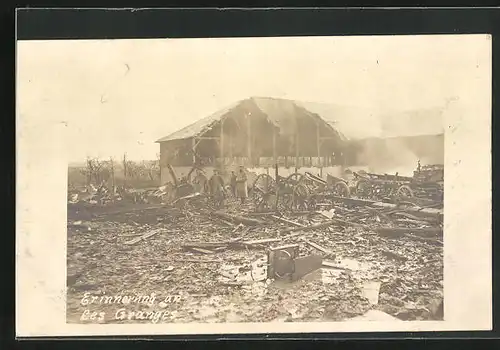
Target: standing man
(200, 182)
(216, 185)
(241, 185)
(233, 183)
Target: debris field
(135, 261)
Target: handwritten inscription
(122, 313)
(89, 299)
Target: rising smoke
(401, 155)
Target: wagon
(296, 191)
(425, 184)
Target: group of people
(216, 186)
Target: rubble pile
(344, 259)
(106, 195)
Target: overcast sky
(117, 96)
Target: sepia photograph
(252, 180)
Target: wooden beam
(297, 148)
(249, 139)
(208, 137)
(194, 143)
(221, 143)
(275, 157)
(318, 145)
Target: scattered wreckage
(296, 191)
(427, 183)
(367, 255)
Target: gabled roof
(352, 122)
(199, 127)
(349, 122)
(280, 112)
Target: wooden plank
(262, 241)
(325, 224)
(238, 219)
(424, 239)
(401, 231)
(286, 221)
(204, 244)
(333, 265)
(346, 200)
(203, 251)
(143, 237)
(318, 247)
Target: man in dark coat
(216, 186)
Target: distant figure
(216, 185)
(200, 182)
(418, 166)
(241, 185)
(233, 183)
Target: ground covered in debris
(188, 263)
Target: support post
(249, 139)
(275, 156)
(222, 143)
(193, 149)
(296, 150)
(318, 146)
(230, 136)
(113, 186)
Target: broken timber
(426, 212)
(325, 224)
(286, 221)
(424, 239)
(401, 231)
(238, 219)
(234, 244)
(143, 237)
(320, 248)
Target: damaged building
(258, 133)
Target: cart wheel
(300, 197)
(284, 200)
(404, 191)
(264, 183)
(342, 190)
(294, 179)
(363, 188)
(262, 191)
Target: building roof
(280, 112)
(352, 122)
(199, 127)
(348, 121)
